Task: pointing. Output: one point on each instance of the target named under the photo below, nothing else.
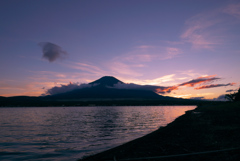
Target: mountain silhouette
(103, 92)
(104, 88)
(106, 81)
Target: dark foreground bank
(207, 133)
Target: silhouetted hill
(104, 88)
(106, 81)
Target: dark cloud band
(199, 80)
(214, 85)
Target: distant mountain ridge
(106, 81)
(104, 88)
(103, 92)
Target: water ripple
(59, 133)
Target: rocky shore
(210, 132)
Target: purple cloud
(220, 98)
(232, 90)
(51, 51)
(214, 85)
(199, 80)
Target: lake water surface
(69, 133)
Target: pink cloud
(197, 38)
(214, 85)
(233, 9)
(171, 52)
(145, 47)
(140, 58)
(86, 68)
(146, 53)
(199, 80)
(118, 67)
(201, 30)
(208, 29)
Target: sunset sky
(187, 48)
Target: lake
(70, 133)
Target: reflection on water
(69, 133)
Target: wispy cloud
(171, 52)
(125, 69)
(195, 82)
(232, 90)
(181, 95)
(198, 31)
(191, 83)
(84, 67)
(199, 80)
(49, 76)
(214, 85)
(233, 9)
(160, 80)
(190, 73)
(20, 88)
(140, 58)
(44, 82)
(208, 29)
(147, 53)
(173, 42)
(145, 47)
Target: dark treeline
(39, 102)
(234, 96)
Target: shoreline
(208, 132)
